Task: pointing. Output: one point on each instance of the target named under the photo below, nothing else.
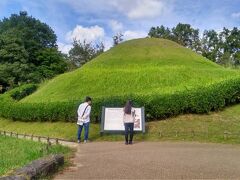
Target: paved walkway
(154, 160)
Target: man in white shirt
(84, 111)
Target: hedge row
(23, 91)
(201, 100)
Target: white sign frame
(116, 113)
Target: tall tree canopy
(185, 35)
(210, 45)
(28, 51)
(82, 52)
(160, 32)
(222, 48)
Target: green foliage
(225, 59)
(210, 45)
(160, 32)
(187, 36)
(28, 51)
(118, 38)
(15, 153)
(82, 52)
(214, 46)
(50, 63)
(201, 100)
(183, 34)
(13, 60)
(23, 91)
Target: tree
(237, 59)
(185, 35)
(117, 39)
(196, 42)
(13, 60)
(225, 59)
(160, 32)
(222, 48)
(23, 39)
(230, 42)
(225, 40)
(82, 52)
(51, 63)
(210, 45)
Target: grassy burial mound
(159, 74)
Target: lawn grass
(207, 128)
(15, 153)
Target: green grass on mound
(141, 67)
(15, 153)
(206, 128)
(161, 75)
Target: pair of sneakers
(85, 141)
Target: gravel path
(154, 160)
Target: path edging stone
(37, 169)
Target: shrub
(201, 100)
(23, 91)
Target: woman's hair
(128, 107)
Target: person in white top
(84, 111)
(128, 119)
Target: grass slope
(141, 67)
(207, 128)
(15, 153)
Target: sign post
(112, 120)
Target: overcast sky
(99, 20)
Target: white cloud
(64, 48)
(97, 34)
(115, 25)
(90, 34)
(127, 35)
(146, 9)
(236, 15)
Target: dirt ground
(154, 160)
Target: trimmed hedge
(201, 100)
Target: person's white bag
(81, 120)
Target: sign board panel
(112, 120)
